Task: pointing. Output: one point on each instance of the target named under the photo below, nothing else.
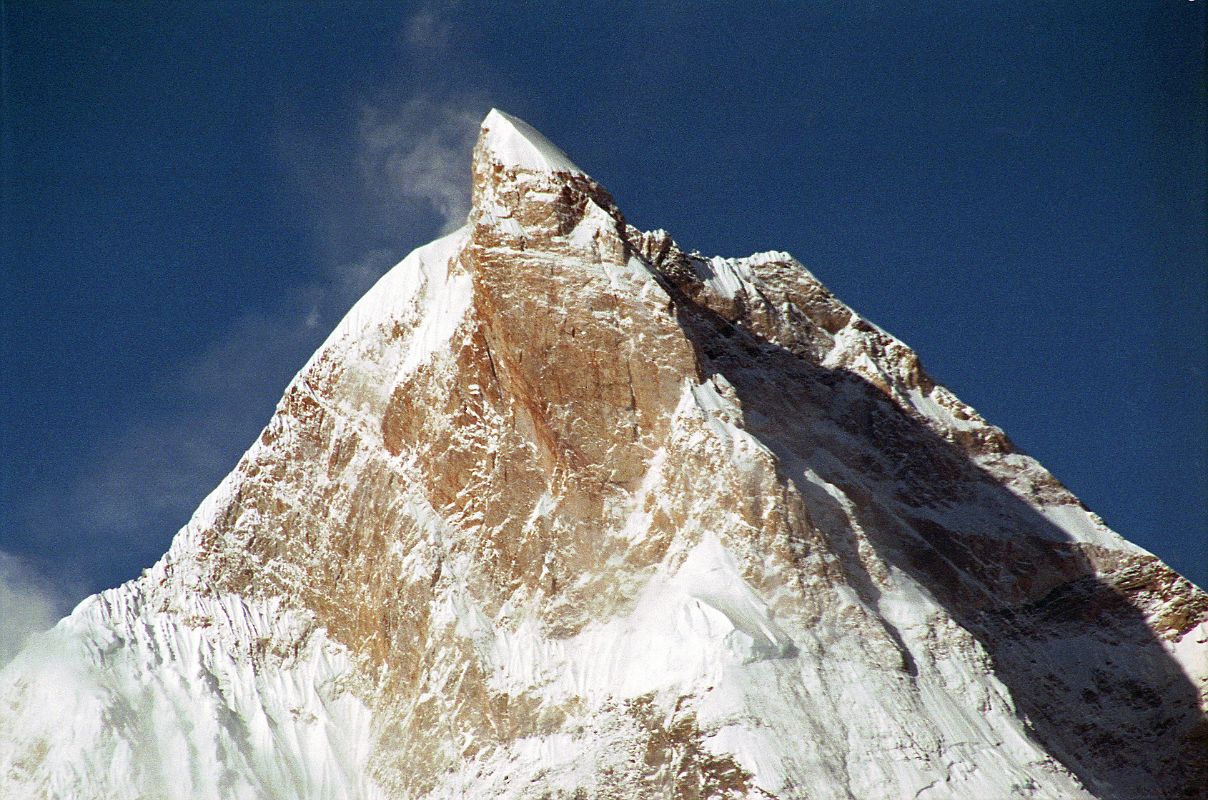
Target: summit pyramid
(560, 510)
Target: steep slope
(560, 510)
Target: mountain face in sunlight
(561, 510)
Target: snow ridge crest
(512, 143)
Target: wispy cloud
(29, 603)
(419, 151)
(396, 176)
(429, 31)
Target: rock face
(560, 510)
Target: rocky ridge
(561, 510)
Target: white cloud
(420, 150)
(398, 177)
(428, 30)
(395, 177)
(413, 161)
(28, 604)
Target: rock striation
(560, 510)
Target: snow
(782, 700)
(422, 280)
(787, 669)
(159, 708)
(725, 276)
(729, 277)
(1191, 654)
(1081, 525)
(714, 401)
(928, 407)
(698, 630)
(514, 143)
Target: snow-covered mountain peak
(512, 143)
(525, 189)
(562, 510)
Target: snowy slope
(561, 510)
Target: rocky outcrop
(561, 510)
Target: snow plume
(428, 31)
(418, 151)
(28, 604)
(409, 175)
(380, 181)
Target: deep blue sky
(193, 193)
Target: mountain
(560, 510)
